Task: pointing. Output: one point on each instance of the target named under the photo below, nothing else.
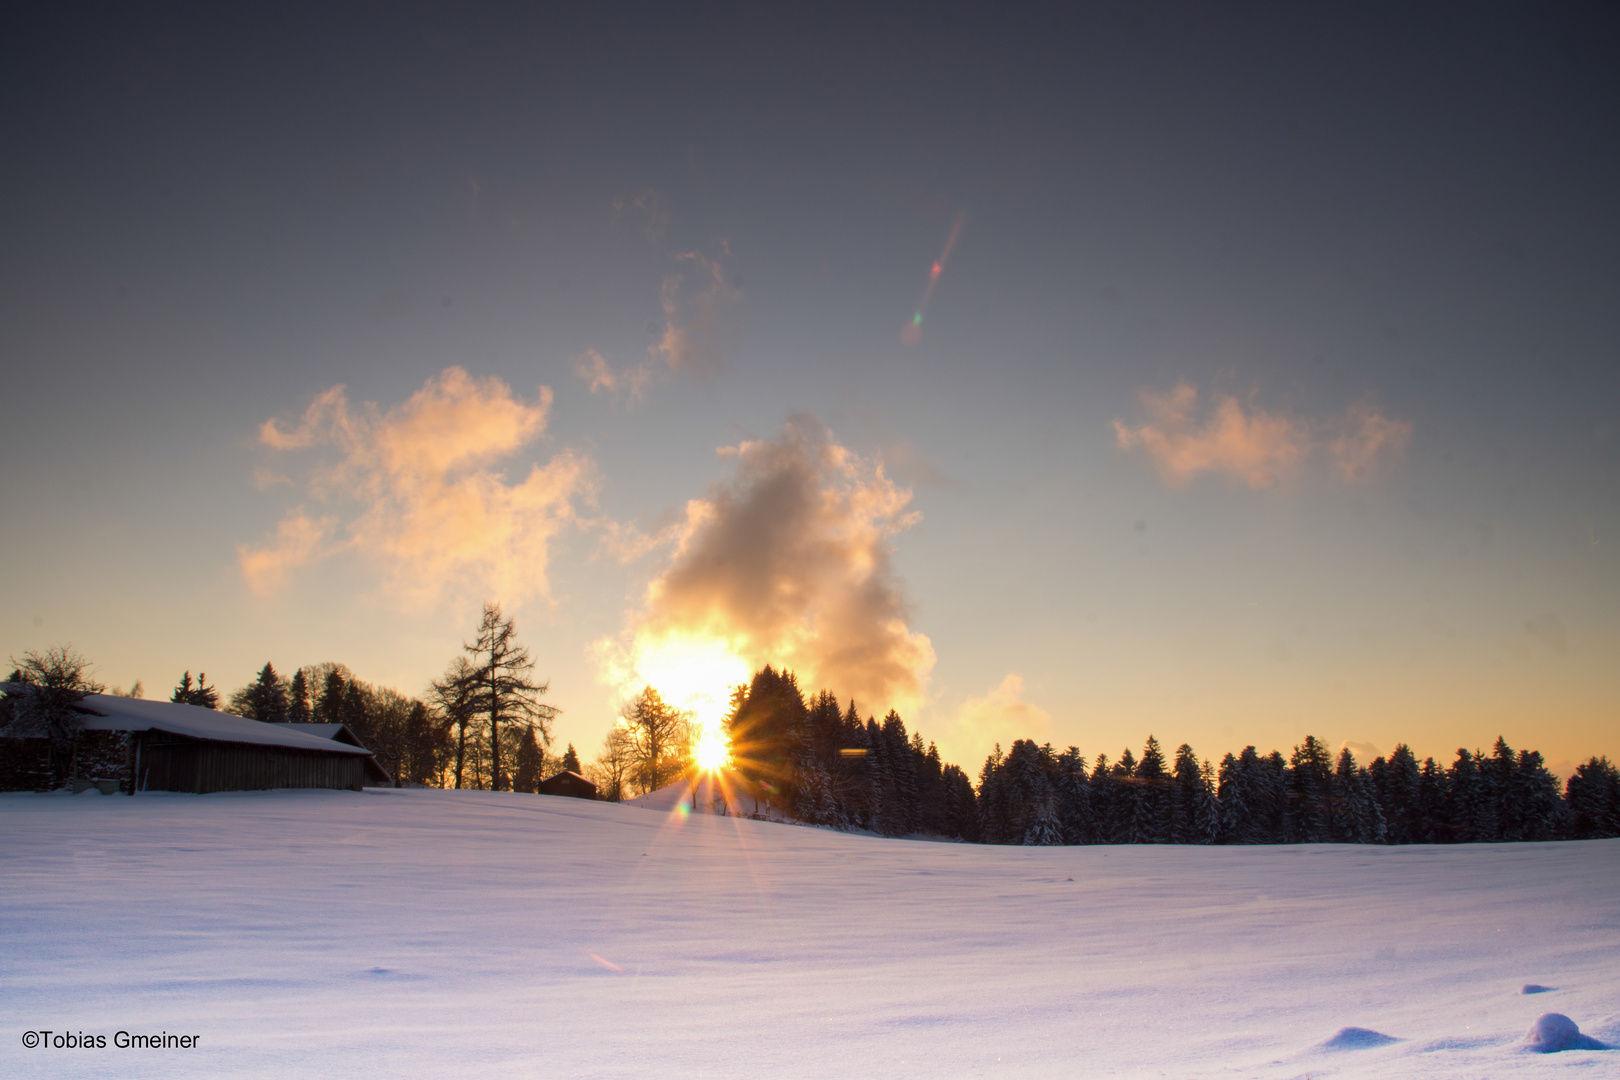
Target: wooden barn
(188, 748)
(571, 784)
(376, 775)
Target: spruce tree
(904, 808)
(329, 705)
(992, 802)
(1593, 798)
(1310, 791)
(961, 805)
(1206, 812)
(1433, 827)
(265, 698)
(1399, 797)
(1540, 805)
(202, 695)
(1074, 799)
(1185, 792)
(1234, 796)
(529, 765)
(298, 711)
(570, 761)
(1463, 797)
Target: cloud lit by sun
(787, 564)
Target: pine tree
(265, 698)
(1030, 804)
(1151, 819)
(201, 695)
(298, 711)
(930, 772)
(1234, 797)
(1310, 786)
(1593, 798)
(329, 706)
(1185, 796)
(902, 807)
(961, 805)
(1206, 812)
(992, 803)
(1105, 799)
(767, 730)
(1433, 828)
(530, 763)
(1128, 817)
(1074, 799)
(1496, 821)
(570, 761)
(1463, 797)
(1399, 797)
(1540, 804)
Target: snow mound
(1553, 1032)
(1358, 1038)
(1536, 988)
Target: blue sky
(1313, 217)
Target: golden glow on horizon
(695, 674)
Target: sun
(694, 673)
(711, 752)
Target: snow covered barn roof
(103, 712)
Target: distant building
(570, 784)
(172, 747)
(376, 775)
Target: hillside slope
(468, 934)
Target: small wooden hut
(569, 784)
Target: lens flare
(911, 333)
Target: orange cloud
(299, 541)
(424, 502)
(999, 716)
(787, 564)
(1257, 447)
(1369, 440)
(688, 343)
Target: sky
(1221, 373)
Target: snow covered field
(465, 934)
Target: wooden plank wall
(170, 763)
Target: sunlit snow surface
(465, 934)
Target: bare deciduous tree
(43, 691)
(658, 732)
(611, 770)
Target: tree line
(482, 725)
(823, 765)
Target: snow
(476, 934)
(707, 796)
(1355, 1038)
(136, 714)
(1555, 1032)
